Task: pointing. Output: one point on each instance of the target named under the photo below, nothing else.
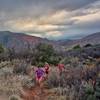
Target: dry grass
(9, 85)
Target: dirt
(36, 93)
(3, 97)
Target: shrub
(53, 80)
(14, 97)
(77, 47)
(1, 49)
(20, 67)
(28, 83)
(88, 45)
(91, 97)
(44, 53)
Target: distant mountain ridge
(22, 41)
(90, 39)
(19, 40)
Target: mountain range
(19, 40)
(22, 41)
(90, 39)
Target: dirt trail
(36, 93)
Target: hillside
(90, 39)
(19, 40)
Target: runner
(39, 75)
(46, 67)
(61, 68)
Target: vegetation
(88, 45)
(45, 53)
(77, 47)
(14, 97)
(82, 67)
(1, 48)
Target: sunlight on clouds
(50, 18)
(87, 18)
(26, 26)
(89, 13)
(54, 34)
(46, 27)
(54, 18)
(37, 35)
(20, 24)
(43, 24)
(57, 23)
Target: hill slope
(19, 40)
(22, 41)
(90, 39)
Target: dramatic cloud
(53, 19)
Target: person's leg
(41, 80)
(46, 75)
(42, 84)
(38, 81)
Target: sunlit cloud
(50, 18)
(54, 34)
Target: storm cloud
(53, 19)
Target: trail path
(36, 93)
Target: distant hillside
(19, 40)
(90, 39)
(93, 39)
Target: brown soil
(36, 93)
(3, 97)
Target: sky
(52, 19)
